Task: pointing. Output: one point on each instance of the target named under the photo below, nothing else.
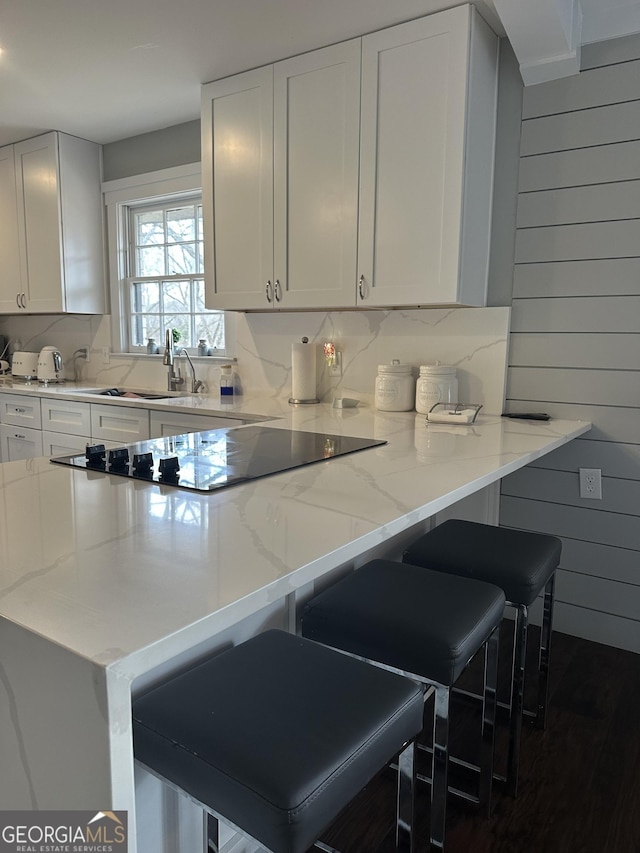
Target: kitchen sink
(133, 393)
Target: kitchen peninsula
(107, 584)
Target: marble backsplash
(474, 340)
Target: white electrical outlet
(591, 483)
(106, 355)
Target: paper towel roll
(303, 373)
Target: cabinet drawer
(20, 410)
(20, 442)
(119, 423)
(62, 444)
(66, 416)
(169, 423)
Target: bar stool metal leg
(440, 763)
(517, 697)
(488, 719)
(405, 839)
(545, 653)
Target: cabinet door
(414, 111)
(39, 224)
(19, 442)
(119, 423)
(10, 284)
(316, 130)
(20, 410)
(62, 444)
(176, 423)
(237, 190)
(66, 416)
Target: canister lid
(437, 369)
(395, 367)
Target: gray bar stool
(522, 564)
(428, 626)
(276, 735)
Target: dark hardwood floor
(579, 786)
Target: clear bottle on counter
(152, 347)
(226, 383)
(203, 349)
(437, 383)
(395, 388)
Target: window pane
(182, 258)
(211, 327)
(145, 326)
(149, 227)
(181, 322)
(145, 297)
(150, 261)
(198, 294)
(181, 224)
(176, 296)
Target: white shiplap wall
(575, 342)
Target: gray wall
(575, 342)
(162, 149)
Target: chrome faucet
(173, 379)
(196, 384)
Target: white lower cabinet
(63, 444)
(66, 416)
(119, 423)
(176, 423)
(20, 442)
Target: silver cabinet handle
(278, 290)
(18, 300)
(361, 286)
(19, 411)
(22, 437)
(268, 292)
(23, 300)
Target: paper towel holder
(298, 401)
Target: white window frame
(120, 195)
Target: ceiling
(110, 69)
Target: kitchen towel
(303, 372)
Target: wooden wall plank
(608, 277)
(562, 487)
(598, 627)
(567, 385)
(580, 167)
(593, 88)
(613, 458)
(598, 126)
(608, 423)
(604, 595)
(579, 242)
(614, 351)
(589, 525)
(614, 314)
(603, 561)
(572, 205)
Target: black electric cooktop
(215, 459)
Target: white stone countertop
(126, 574)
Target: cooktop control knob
(142, 463)
(95, 455)
(119, 458)
(169, 468)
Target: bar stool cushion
(424, 622)
(517, 561)
(277, 734)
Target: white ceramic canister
(437, 383)
(395, 388)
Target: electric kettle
(50, 365)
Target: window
(166, 285)
(157, 263)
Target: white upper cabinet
(10, 286)
(426, 164)
(59, 225)
(280, 183)
(359, 175)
